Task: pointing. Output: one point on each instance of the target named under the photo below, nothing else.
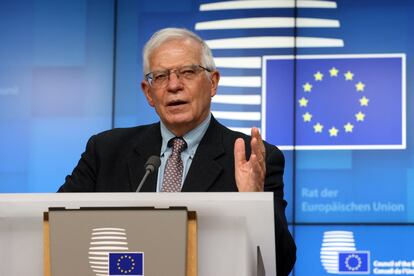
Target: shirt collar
(192, 138)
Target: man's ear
(215, 78)
(146, 88)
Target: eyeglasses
(187, 73)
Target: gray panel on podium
(94, 241)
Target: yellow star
(348, 75)
(307, 117)
(307, 87)
(349, 127)
(333, 72)
(360, 86)
(364, 101)
(303, 102)
(318, 76)
(360, 116)
(333, 131)
(318, 128)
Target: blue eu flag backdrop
(128, 263)
(335, 101)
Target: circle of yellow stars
(131, 262)
(304, 102)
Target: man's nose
(174, 81)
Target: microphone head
(152, 163)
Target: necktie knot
(178, 145)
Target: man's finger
(258, 149)
(258, 166)
(260, 145)
(239, 151)
(255, 133)
(258, 172)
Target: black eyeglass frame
(149, 76)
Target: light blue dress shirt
(192, 139)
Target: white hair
(169, 34)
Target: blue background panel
(377, 181)
(55, 87)
(389, 247)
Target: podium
(231, 228)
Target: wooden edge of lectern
(192, 256)
(46, 245)
(192, 265)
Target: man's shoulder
(232, 135)
(125, 137)
(126, 132)
(218, 129)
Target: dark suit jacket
(114, 162)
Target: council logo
(109, 254)
(339, 254)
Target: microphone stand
(147, 172)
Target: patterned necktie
(173, 172)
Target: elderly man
(197, 153)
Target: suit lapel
(148, 143)
(204, 168)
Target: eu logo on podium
(126, 263)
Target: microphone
(151, 165)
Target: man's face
(182, 104)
